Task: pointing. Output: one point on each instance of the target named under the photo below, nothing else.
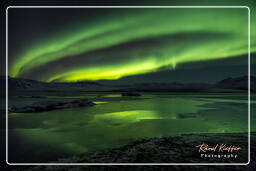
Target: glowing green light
(230, 24)
(128, 116)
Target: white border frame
(249, 87)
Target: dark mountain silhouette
(22, 84)
(239, 84)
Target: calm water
(38, 137)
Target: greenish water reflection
(114, 123)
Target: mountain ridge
(231, 83)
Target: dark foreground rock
(51, 105)
(130, 94)
(187, 115)
(180, 149)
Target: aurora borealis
(150, 73)
(131, 41)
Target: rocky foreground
(180, 149)
(43, 106)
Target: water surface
(38, 137)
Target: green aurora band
(208, 34)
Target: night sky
(128, 45)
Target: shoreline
(178, 149)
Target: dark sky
(126, 45)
